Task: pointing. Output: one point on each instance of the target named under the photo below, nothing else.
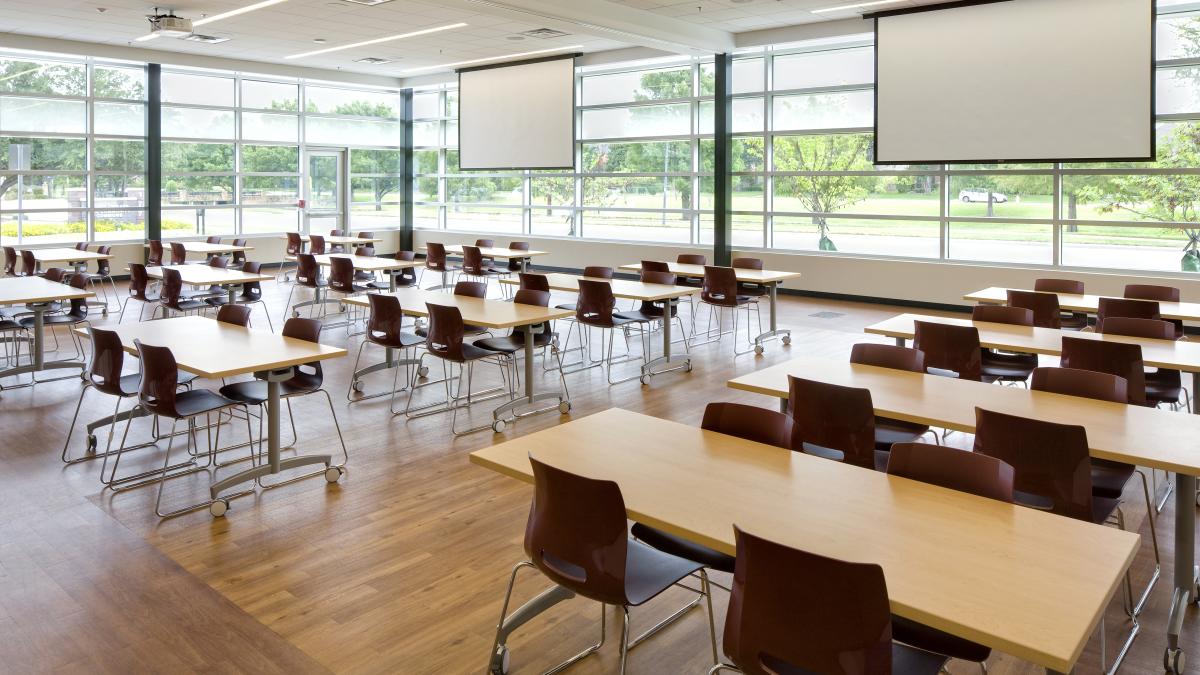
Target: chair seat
(1071, 321)
(129, 383)
(1102, 507)
(510, 344)
(54, 320)
(189, 305)
(467, 330)
(929, 639)
(634, 316)
(470, 353)
(406, 340)
(618, 320)
(650, 315)
(905, 661)
(569, 306)
(649, 571)
(1109, 478)
(200, 401)
(889, 432)
(354, 289)
(738, 301)
(1008, 366)
(678, 546)
(1163, 386)
(751, 290)
(254, 392)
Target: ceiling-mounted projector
(169, 25)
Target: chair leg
(74, 419)
(624, 637)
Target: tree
(821, 192)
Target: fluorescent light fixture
(376, 41)
(235, 12)
(147, 37)
(493, 58)
(857, 5)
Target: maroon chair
(1157, 294)
(467, 289)
(155, 258)
(1067, 320)
(252, 291)
(308, 275)
(513, 344)
(747, 288)
(366, 276)
(800, 613)
(691, 259)
(139, 282)
(1005, 366)
(385, 328)
(172, 297)
(238, 315)
(213, 240)
(56, 274)
(10, 262)
(316, 244)
(239, 257)
(655, 266)
(336, 248)
(515, 265)
(719, 290)
(950, 351)
(295, 244)
(1016, 316)
(475, 265)
(178, 253)
(1116, 358)
(577, 537)
(407, 276)
(1163, 385)
(75, 315)
(651, 311)
(889, 431)
(341, 277)
(1121, 307)
(734, 419)
(532, 281)
(435, 261)
(594, 308)
(366, 235)
(29, 264)
(591, 272)
(834, 422)
(1046, 312)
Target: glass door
(324, 191)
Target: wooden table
(497, 314)
(342, 240)
(492, 252)
(361, 263)
(1023, 581)
(661, 294)
(67, 255)
(38, 295)
(1087, 304)
(769, 278)
(212, 349)
(206, 248)
(207, 275)
(1159, 439)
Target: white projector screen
(1015, 81)
(519, 116)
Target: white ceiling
(273, 33)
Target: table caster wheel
(500, 661)
(644, 379)
(357, 385)
(1173, 661)
(564, 407)
(333, 474)
(498, 426)
(423, 371)
(91, 444)
(787, 339)
(758, 349)
(218, 508)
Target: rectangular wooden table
(207, 275)
(769, 278)
(361, 263)
(340, 240)
(1087, 304)
(1025, 582)
(206, 248)
(38, 295)
(67, 255)
(497, 314)
(1159, 439)
(212, 349)
(661, 294)
(517, 254)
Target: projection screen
(1015, 81)
(519, 116)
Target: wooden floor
(400, 568)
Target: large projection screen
(1015, 81)
(519, 116)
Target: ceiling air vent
(373, 61)
(368, 3)
(544, 33)
(206, 39)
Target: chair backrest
(306, 375)
(81, 246)
(10, 261)
(408, 275)
(598, 272)
(1017, 316)
(238, 315)
(950, 348)
(138, 281)
(471, 289)
(172, 287)
(239, 257)
(526, 296)
(55, 274)
(160, 378)
(341, 274)
(219, 262)
(796, 612)
(1152, 292)
(308, 273)
(29, 263)
(365, 251)
(595, 302)
(295, 244)
(1116, 358)
(178, 253)
(576, 533)
(79, 306)
(514, 264)
(1058, 286)
(651, 277)
(720, 286)
(435, 257)
(108, 358)
(747, 263)
(385, 319)
(750, 422)
(444, 335)
(103, 265)
(252, 290)
(316, 244)
(1121, 307)
(534, 282)
(366, 235)
(213, 240)
(1155, 329)
(834, 417)
(1051, 461)
(472, 260)
(1082, 383)
(691, 259)
(952, 468)
(485, 243)
(655, 266)
(1046, 312)
(337, 233)
(156, 253)
(888, 356)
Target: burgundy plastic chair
(1157, 294)
(655, 266)
(791, 611)
(213, 240)
(295, 245)
(577, 537)
(950, 350)
(719, 290)
(238, 315)
(691, 259)
(308, 275)
(475, 265)
(1005, 366)
(56, 274)
(366, 276)
(29, 264)
(1121, 307)
(1163, 385)
(889, 431)
(1068, 320)
(178, 253)
(515, 341)
(591, 272)
(595, 308)
(172, 297)
(444, 340)
(366, 235)
(408, 276)
(10, 261)
(1116, 358)
(834, 422)
(139, 282)
(1046, 312)
(1016, 316)
(435, 261)
(467, 289)
(385, 328)
(747, 288)
(316, 244)
(239, 257)
(155, 258)
(531, 281)
(336, 248)
(514, 264)
(341, 277)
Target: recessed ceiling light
(376, 41)
(235, 12)
(856, 5)
(206, 39)
(373, 61)
(494, 58)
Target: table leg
(650, 368)
(392, 280)
(231, 294)
(503, 411)
(775, 331)
(1185, 560)
(900, 342)
(38, 361)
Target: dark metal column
(406, 188)
(722, 162)
(153, 151)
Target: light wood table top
(743, 275)
(475, 311)
(621, 288)
(488, 252)
(1174, 354)
(26, 290)
(205, 247)
(367, 263)
(1026, 582)
(62, 254)
(1087, 304)
(341, 240)
(212, 349)
(1125, 433)
(207, 275)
